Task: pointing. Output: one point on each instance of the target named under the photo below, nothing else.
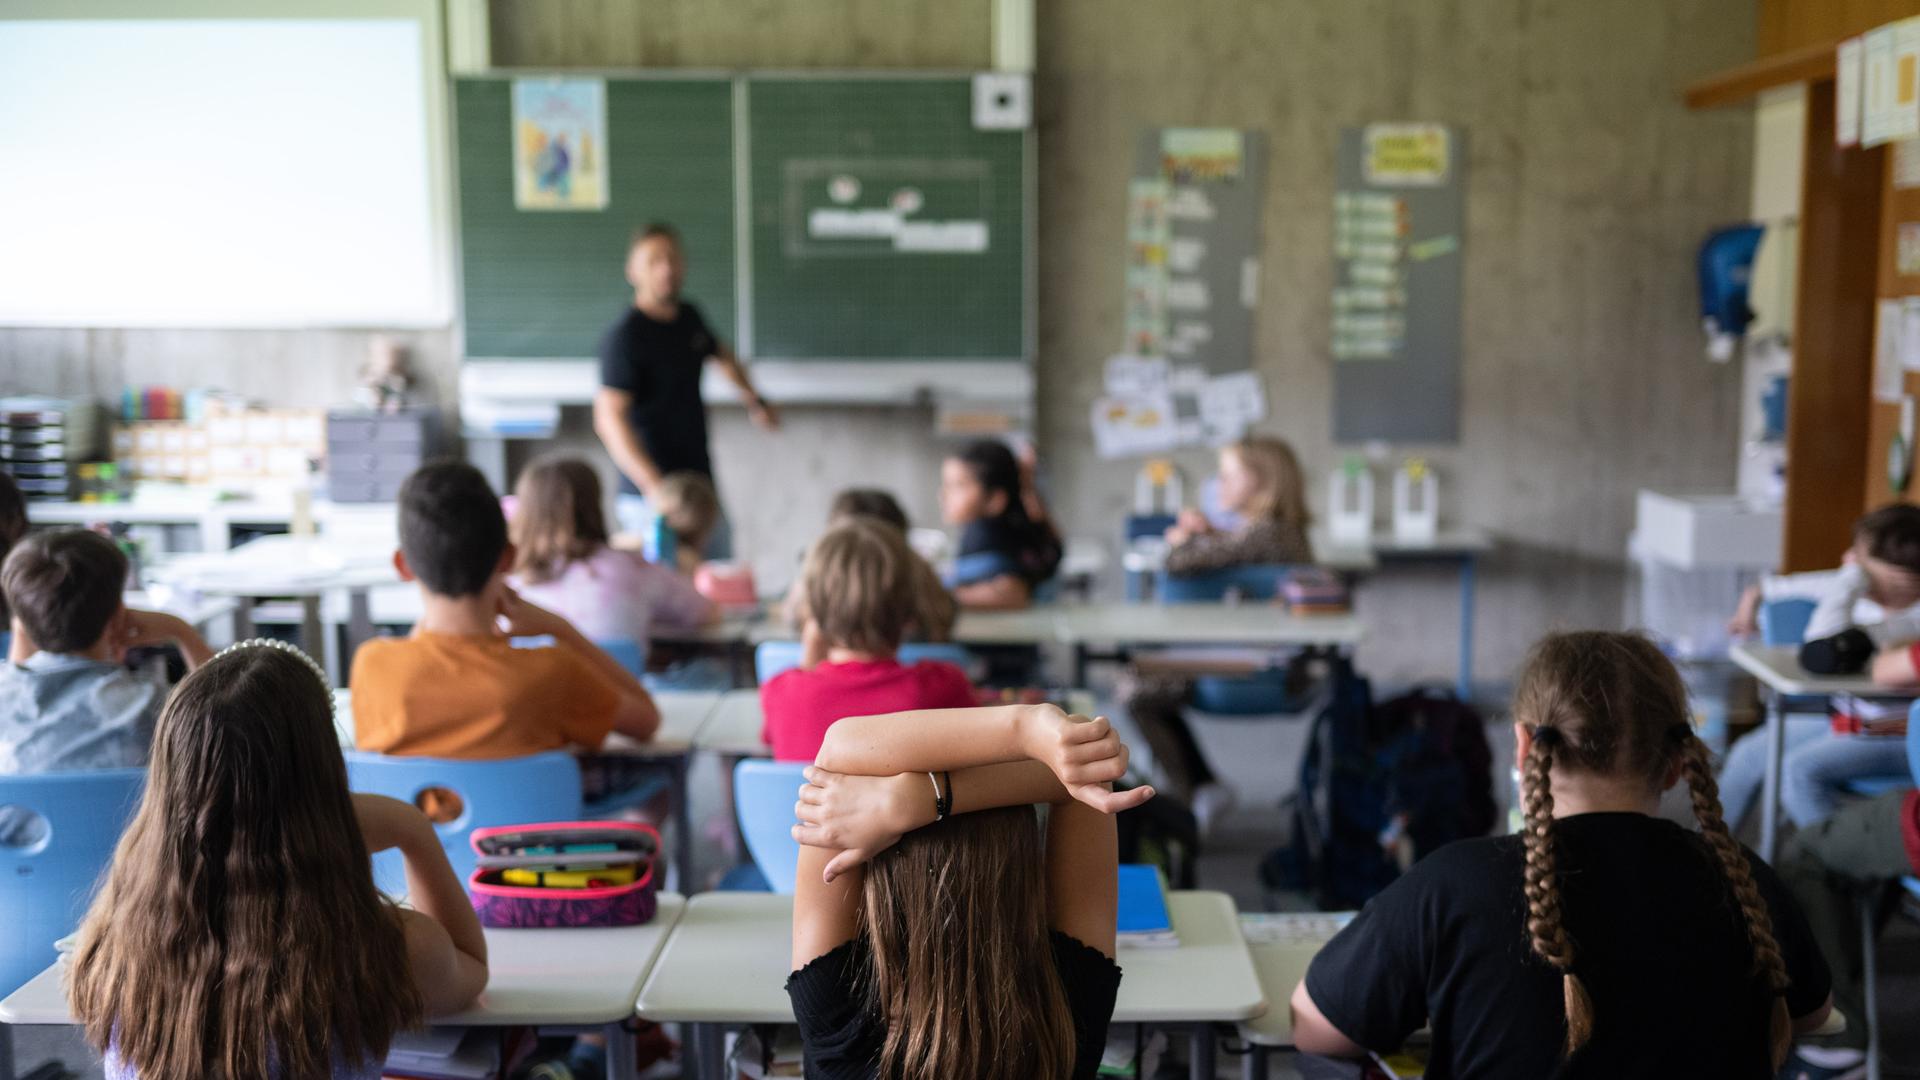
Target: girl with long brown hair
(934, 935)
(1603, 941)
(239, 934)
(564, 562)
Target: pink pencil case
(571, 848)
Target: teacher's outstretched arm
(762, 413)
(610, 407)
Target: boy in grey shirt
(67, 699)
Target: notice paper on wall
(1886, 352)
(1890, 83)
(1910, 333)
(1134, 426)
(1846, 92)
(1230, 404)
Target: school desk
(1780, 674)
(683, 713)
(305, 567)
(577, 977)
(199, 612)
(1122, 626)
(726, 963)
(213, 520)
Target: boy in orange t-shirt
(457, 687)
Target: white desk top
(1778, 666)
(197, 611)
(282, 566)
(1201, 624)
(683, 713)
(1283, 945)
(570, 975)
(733, 728)
(728, 959)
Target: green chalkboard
(544, 283)
(885, 226)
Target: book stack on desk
(444, 1054)
(1144, 920)
(1313, 591)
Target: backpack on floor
(1381, 786)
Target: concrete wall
(1589, 188)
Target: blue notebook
(1143, 907)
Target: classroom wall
(1589, 189)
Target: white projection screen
(219, 173)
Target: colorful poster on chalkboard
(559, 144)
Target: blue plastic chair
(1145, 527)
(770, 658)
(511, 791)
(1261, 693)
(763, 797)
(1869, 907)
(1784, 622)
(630, 654)
(45, 887)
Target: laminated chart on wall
(1398, 227)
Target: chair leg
(1869, 913)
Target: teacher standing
(648, 411)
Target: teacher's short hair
(655, 230)
(451, 528)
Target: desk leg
(620, 1052)
(1079, 666)
(1255, 1066)
(359, 618)
(1201, 1067)
(1770, 792)
(710, 1040)
(683, 825)
(1464, 686)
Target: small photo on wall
(559, 144)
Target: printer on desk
(369, 453)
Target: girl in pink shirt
(563, 562)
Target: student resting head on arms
(239, 934)
(1008, 547)
(457, 687)
(564, 563)
(935, 935)
(1259, 482)
(860, 597)
(1604, 941)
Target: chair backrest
(1784, 622)
(1913, 741)
(763, 797)
(1260, 581)
(45, 886)
(912, 652)
(630, 654)
(1143, 526)
(770, 658)
(510, 791)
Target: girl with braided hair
(1603, 941)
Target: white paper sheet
(1886, 352)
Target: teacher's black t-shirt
(1657, 939)
(660, 363)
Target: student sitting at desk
(860, 598)
(691, 508)
(1872, 600)
(1008, 547)
(1604, 941)
(563, 562)
(68, 701)
(935, 609)
(933, 934)
(1259, 482)
(239, 933)
(457, 687)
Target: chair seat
(1874, 786)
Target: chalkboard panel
(544, 283)
(884, 225)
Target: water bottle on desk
(1350, 502)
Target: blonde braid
(1546, 927)
(1767, 960)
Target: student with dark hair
(238, 935)
(648, 411)
(1867, 617)
(1601, 942)
(457, 687)
(1008, 547)
(68, 700)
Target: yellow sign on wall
(1407, 155)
